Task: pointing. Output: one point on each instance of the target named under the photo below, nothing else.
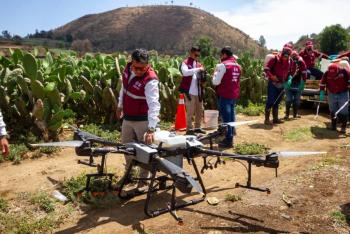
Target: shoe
(286, 117)
(267, 117)
(343, 120)
(199, 130)
(333, 122)
(275, 116)
(225, 144)
(190, 132)
(295, 112)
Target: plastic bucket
(211, 119)
(324, 64)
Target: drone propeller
(176, 170)
(60, 144)
(299, 153)
(235, 124)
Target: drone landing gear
(249, 182)
(159, 184)
(101, 172)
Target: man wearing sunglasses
(309, 56)
(190, 86)
(277, 71)
(139, 103)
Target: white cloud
(280, 21)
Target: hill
(167, 29)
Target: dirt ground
(315, 185)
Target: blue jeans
(336, 101)
(293, 95)
(274, 95)
(314, 72)
(227, 112)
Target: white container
(324, 64)
(169, 140)
(211, 118)
(59, 196)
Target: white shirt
(219, 73)
(152, 99)
(2, 126)
(191, 72)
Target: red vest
(310, 59)
(229, 86)
(186, 80)
(135, 106)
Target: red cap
(309, 44)
(333, 70)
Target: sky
(279, 21)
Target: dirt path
(257, 212)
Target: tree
(6, 34)
(333, 39)
(206, 46)
(262, 41)
(82, 46)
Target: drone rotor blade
(235, 124)
(60, 144)
(299, 153)
(176, 170)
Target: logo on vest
(137, 85)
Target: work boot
(199, 130)
(190, 132)
(225, 143)
(333, 122)
(275, 116)
(295, 112)
(267, 117)
(286, 117)
(343, 120)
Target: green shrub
(250, 148)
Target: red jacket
(310, 59)
(338, 84)
(229, 86)
(186, 80)
(135, 106)
(278, 67)
(299, 70)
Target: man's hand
(4, 146)
(119, 112)
(149, 137)
(274, 78)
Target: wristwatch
(151, 130)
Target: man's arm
(323, 81)
(321, 55)
(268, 68)
(152, 98)
(218, 74)
(346, 54)
(189, 72)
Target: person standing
(337, 83)
(226, 79)
(277, 71)
(191, 86)
(4, 144)
(310, 56)
(295, 85)
(139, 103)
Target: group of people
(287, 72)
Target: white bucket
(211, 119)
(324, 64)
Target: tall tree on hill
(262, 41)
(334, 39)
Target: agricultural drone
(166, 157)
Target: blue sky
(279, 21)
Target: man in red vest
(226, 79)
(191, 86)
(337, 82)
(309, 55)
(139, 102)
(277, 71)
(4, 144)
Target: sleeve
(152, 98)
(347, 75)
(321, 55)
(303, 69)
(2, 126)
(268, 68)
(218, 74)
(346, 54)
(323, 81)
(188, 72)
(121, 95)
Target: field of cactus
(39, 93)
